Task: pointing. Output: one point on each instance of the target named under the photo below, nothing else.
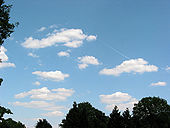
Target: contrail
(115, 50)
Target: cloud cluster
(60, 94)
(52, 75)
(68, 37)
(160, 83)
(122, 100)
(130, 66)
(4, 59)
(86, 60)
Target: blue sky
(107, 52)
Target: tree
(84, 115)
(115, 119)
(150, 111)
(6, 28)
(8, 123)
(43, 123)
(127, 119)
(1, 81)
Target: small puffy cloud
(37, 83)
(159, 84)
(86, 60)
(4, 59)
(168, 68)
(69, 37)
(130, 66)
(41, 29)
(91, 38)
(53, 113)
(122, 100)
(60, 94)
(33, 55)
(52, 75)
(64, 53)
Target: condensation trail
(117, 51)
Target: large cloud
(122, 100)
(86, 60)
(52, 75)
(4, 59)
(60, 94)
(130, 66)
(68, 37)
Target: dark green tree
(115, 119)
(6, 28)
(84, 115)
(152, 112)
(43, 123)
(8, 123)
(127, 119)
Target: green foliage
(8, 123)
(1, 81)
(84, 115)
(43, 123)
(6, 28)
(152, 112)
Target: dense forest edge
(149, 112)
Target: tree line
(149, 112)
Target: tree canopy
(6, 28)
(43, 123)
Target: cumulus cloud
(122, 100)
(4, 59)
(37, 83)
(160, 83)
(130, 66)
(69, 37)
(64, 53)
(52, 75)
(33, 55)
(91, 38)
(60, 94)
(41, 29)
(54, 113)
(87, 60)
(43, 105)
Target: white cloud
(86, 60)
(91, 38)
(43, 105)
(37, 83)
(54, 113)
(159, 84)
(60, 94)
(122, 100)
(52, 75)
(130, 66)
(33, 55)
(64, 53)
(168, 68)
(4, 59)
(41, 29)
(69, 37)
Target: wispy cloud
(41, 29)
(122, 100)
(168, 68)
(130, 66)
(37, 83)
(33, 55)
(51, 75)
(53, 113)
(87, 60)
(4, 59)
(69, 37)
(160, 83)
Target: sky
(106, 52)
